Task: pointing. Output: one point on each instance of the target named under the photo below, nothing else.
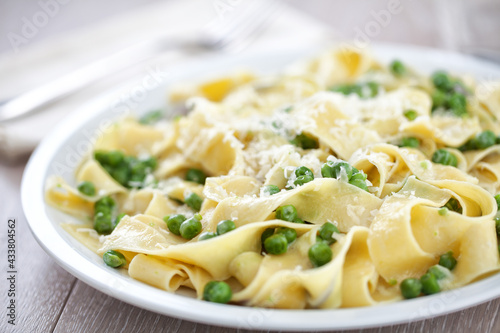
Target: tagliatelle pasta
(340, 182)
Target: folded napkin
(35, 64)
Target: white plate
(60, 152)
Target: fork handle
(32, 100)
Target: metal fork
(232, 31)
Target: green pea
(439, 99)
(497, 224)
(482, 140)
(103, 209)
(327, 170)
(276, 244)
(126, 170)
(270, 189)
(457, 102)
(359, 180)
(151, 117)
(266, 234)
(305, 142)
(289, 233)
(150, 162)
(207, 235)
(497, 199)
(326, 232)
(104, 204)
(346, 89)
(430, 284)
(101, 157)
(453, 205)
(450, 94)
(217, 292)
(108, 168)
(363, 90)
(121, 174)
(301, 180)
(437, 271)
(340, 167)
(442, 81)
(358, 175)
(193, 201)
(334, 169)
(138, 168)
(410, 288)
(442, 156)
(298, 220)
(459, 112)
(359, 183)
(196, 175)
(358, 90)
(286, 213)
(136, 180)
(115, 157)
(191, 227)
(320, 254)
(102, 223)
(485, 139)
(398, 68)
(86, 188)
(129, 160)
(355, 89)
(411, 142)
(114, 259)
(448, 260)
(469, 145)
(303, 171)
(371, 89)
(225, 226)
(174, 223)
(410, 114)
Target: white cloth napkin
(39, 63)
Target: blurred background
(470, 26)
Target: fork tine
(249, 32)
(241, 25)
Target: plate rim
(134, 292)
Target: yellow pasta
(340, 182)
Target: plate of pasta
(311, 190)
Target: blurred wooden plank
(42, 287)
(88, 310)
(481, 319)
